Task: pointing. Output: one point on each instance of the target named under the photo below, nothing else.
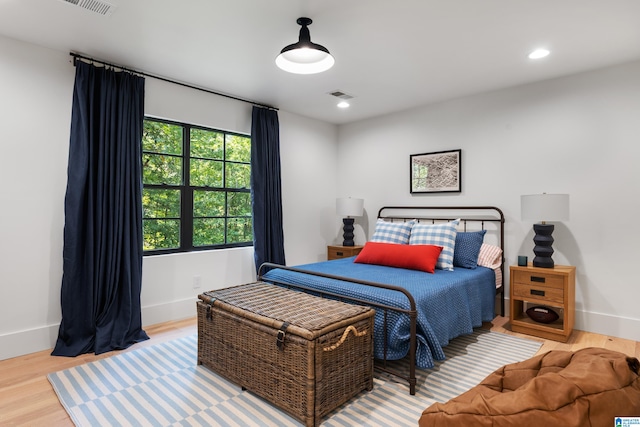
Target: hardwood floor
(27, 398)
(577, 340)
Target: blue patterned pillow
(392, 232)
(437, 234)
(467, 248)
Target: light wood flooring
(27, 398)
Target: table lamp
(544, 207)
(348, 208)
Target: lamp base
(347, 232)
(543, 249)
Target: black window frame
(187, 191)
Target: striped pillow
(440, 235)
(491, 256)
(392, 232)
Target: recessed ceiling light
(344, 98)
(538, 53)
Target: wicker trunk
(304, 354)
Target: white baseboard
(29, 341)
(44, 338)
(606, 324)
(174, 310)
(599, 323)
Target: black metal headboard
(473, 218)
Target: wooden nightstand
(337, 252)
(551, 287)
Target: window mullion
(226, 193)
(186, 210)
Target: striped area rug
(161, 385)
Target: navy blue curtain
(102, 265)
(266, 192)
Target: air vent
(340, 94)
(97, 6)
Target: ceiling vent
(97, 6)
(341, 95)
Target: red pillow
(413, 257)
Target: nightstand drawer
(337, 252)
(539, 279)
(541, 293)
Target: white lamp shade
(545, 207)
(349, 206)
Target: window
(196, 188)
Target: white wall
(36, 86)
(309, 178)
(168, 280)
(171, 283)
(35, 108)
(578, 135)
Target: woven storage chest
(327, 352)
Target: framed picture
(438, 172)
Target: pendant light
(305, 57)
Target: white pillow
(392, 232)
(440, 235)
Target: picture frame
(437, 172)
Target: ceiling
(390, 55)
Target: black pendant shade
(305, 57)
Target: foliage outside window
(196, 188)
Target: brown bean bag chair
(588, 387)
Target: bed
(417, 310)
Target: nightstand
(339, 251)
(552, 287)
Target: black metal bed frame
(491, 214)
(483, 214)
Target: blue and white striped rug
(161, 385)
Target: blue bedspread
(449, 303)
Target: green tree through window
(196, 188)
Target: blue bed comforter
(449, 303)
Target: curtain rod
(77, 56)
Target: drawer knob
(339, 253)
(537, 279)
(537, 292)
